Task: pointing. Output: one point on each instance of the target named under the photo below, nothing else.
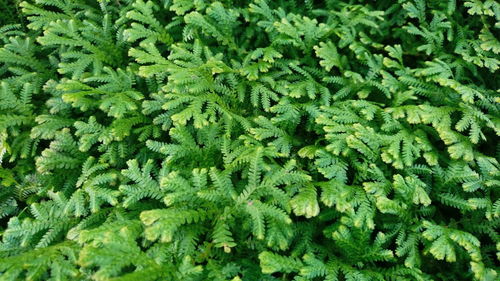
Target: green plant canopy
(259, 140)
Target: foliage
(249, 140)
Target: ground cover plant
(249, 140)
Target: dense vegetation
(249, 140)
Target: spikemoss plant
(250, 140)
